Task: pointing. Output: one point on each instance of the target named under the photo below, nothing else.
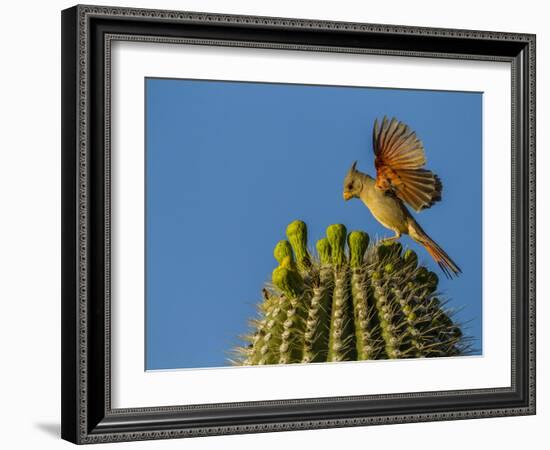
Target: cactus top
(384, 307)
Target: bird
(400, 180)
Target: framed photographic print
(281, 224)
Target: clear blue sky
(230, 164)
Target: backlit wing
(399, 158)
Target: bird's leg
(392, 238)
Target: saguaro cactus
(366, 301)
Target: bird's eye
(350, 186)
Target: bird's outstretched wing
(399, 157)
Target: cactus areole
(352, 300)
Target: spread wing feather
(399, 158)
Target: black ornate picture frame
(87, 414)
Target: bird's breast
(387, 209)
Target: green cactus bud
(432, 280)
(282, 249)
(389, 268)
(358, 241)
(411, 258)
(446, 320)
(296, 232)
(336, 235)
(457, 332)
(288, 263)
(288, 281)
(422, 275)
(323, 249)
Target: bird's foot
(391, 238)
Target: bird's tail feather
(447, 265)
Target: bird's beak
(347, 195)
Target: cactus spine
(372, 301)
